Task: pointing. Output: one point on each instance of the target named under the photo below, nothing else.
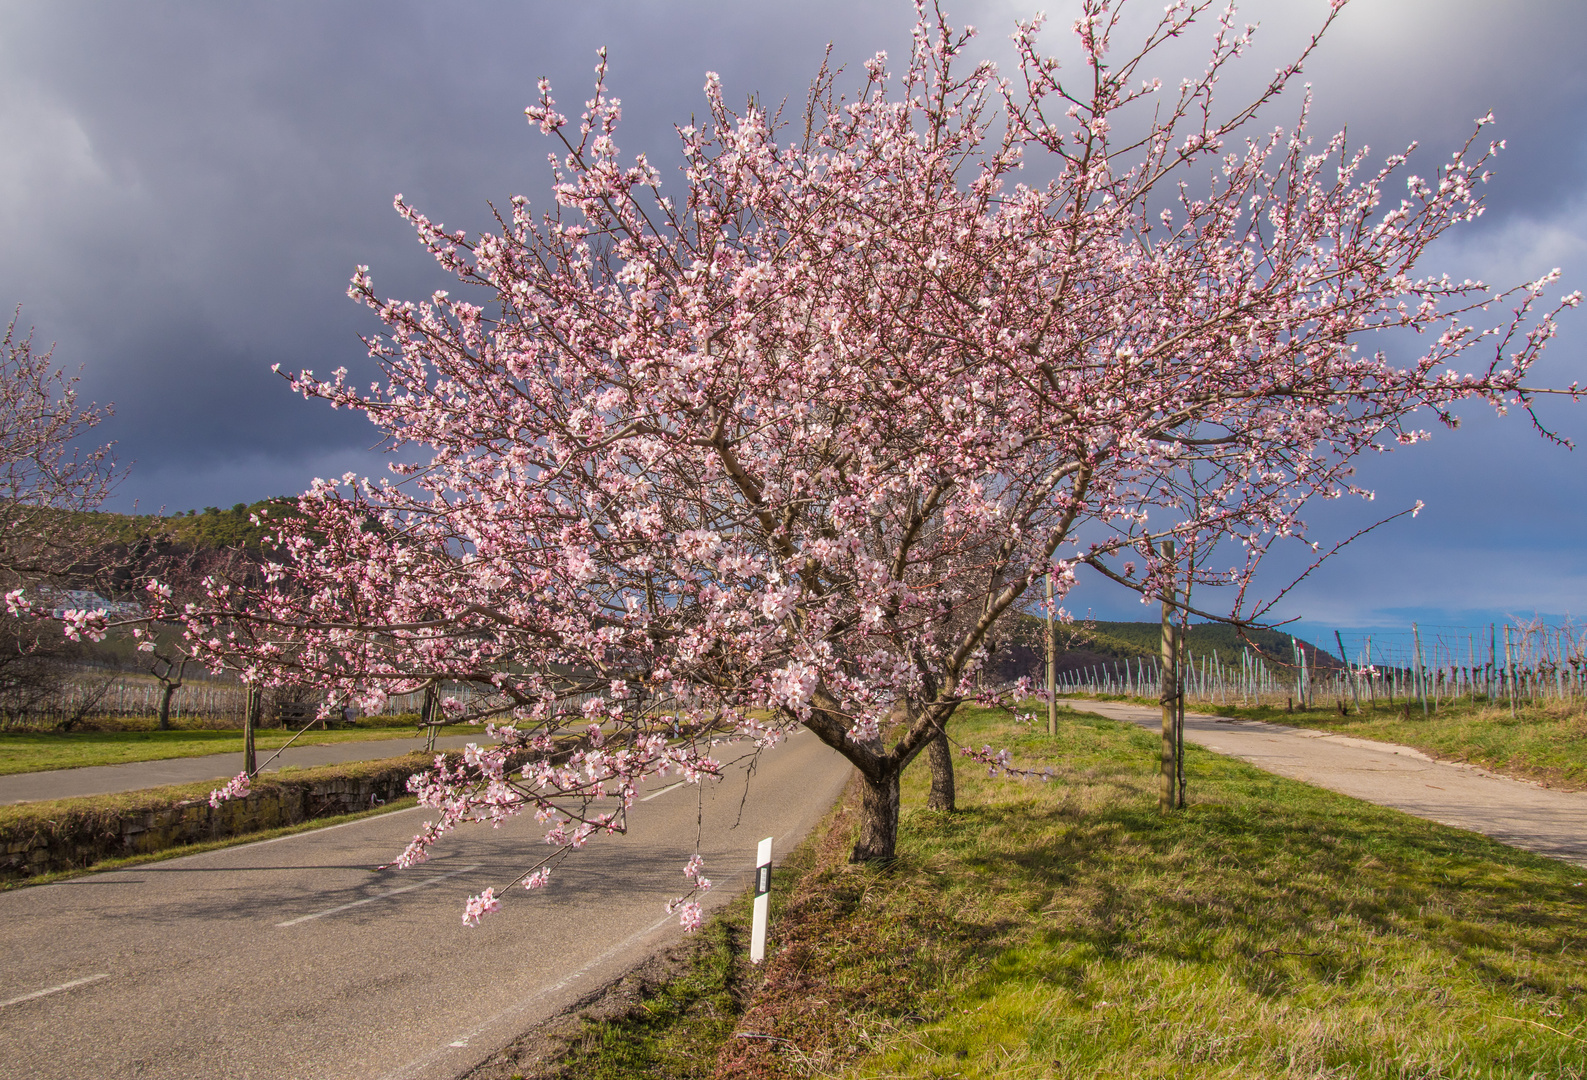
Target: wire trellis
(1520, 662)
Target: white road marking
(378, 896)
(54, 989)
(663, 791)
(462, 1041)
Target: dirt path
(1522, 814)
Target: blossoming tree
(783, 446)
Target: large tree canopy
(782, 444)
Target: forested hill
(1145, 639)
(209, 529)
(1095, 643)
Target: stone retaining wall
(42, 838)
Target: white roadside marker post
(757, 937)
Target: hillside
(1099, 643)
(209, 529)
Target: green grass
(1271, 929)
(1547, 743)
(676, 1030)
(34, 751)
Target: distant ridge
(1098, 643)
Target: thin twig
(1281, 952)
(1545, 1027)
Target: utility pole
(1170, 759)
(1052, 664)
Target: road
(1518, 813)
(293, 958)
(106, 779)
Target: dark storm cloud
(186, 188)
(192, 185)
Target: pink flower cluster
(236, 788)
(1001, 763)
(480, 906)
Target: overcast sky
(186, 188)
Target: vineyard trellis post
(1418, 672)
(1509, 669)
(1493, 662)
(1355, 699)
(1300, 673)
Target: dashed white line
(663, 791)
(378, 896)
(85, 980)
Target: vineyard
(97, 697)
(198, 703)
(1517, 663)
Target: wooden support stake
(1052, 664)
(427, 716)
(1167, 789)
(250, 720)
(1180, 640)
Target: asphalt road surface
(133, 775)
(1515, 812)
(294, 958)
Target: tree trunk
(878, 819)
(939, 755)
(165, 706)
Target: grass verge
(210, 845)
(36, 751)
(62, 835)
(1272, 929)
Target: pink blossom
(479, 906)
(695, 872)
(793, 686)
(690, 917)
(236, 788)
